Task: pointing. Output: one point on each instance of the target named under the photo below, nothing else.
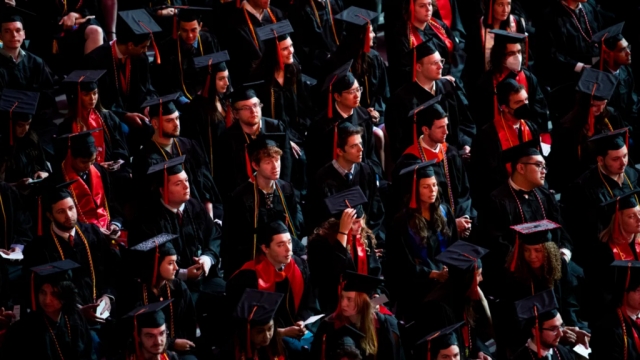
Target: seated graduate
(278, 270)
(258, 202)
(148, 333)
(509, 128)
(154, 263)
(209, 111)
(254, 330)
(232, 165)
(92, 193)
(167, 144)
(615, 335)
(569, 157)
(69, 239)
(431, 122)
(347, 171)
(344, 93)
(177, 71)
(535, 265)
(424, 229)
(342, 243)
(54, 328)
(620, 238)
(381, 338)
(438, 345)
(546, 327)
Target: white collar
(632, 316)
(531, 345)
(433, 87)
(181, 208)
(344, 115)
(63, 234)
(21, 54)
(425, 145)
(253, 11)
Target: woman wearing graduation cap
(54, 328)
(622, 237)
(380, 336)
(424, 229)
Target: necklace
(162, 151)
(86, 245)
(544, 215)
(53, 335)
(575, 20)
(172, 334)
(124, 80)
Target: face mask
(522, 112)
(514, 63)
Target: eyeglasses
(554, 330)
(253, 107)
(436, 63)
(353, 92)
(624, 49)
(539, 166)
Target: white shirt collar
(181, 208)
(63, 234)
(253, 11)
(425, 145)
(433, 87)
(531, 345)
(344, 115)
(21, 54)
(632, 316)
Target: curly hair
(552, 265)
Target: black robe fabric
(286, 315)
(400, 127)
(230, 165)
(329, 334)
(625, 97)
(24, 159)
(328, 261)
(527, 354)
(16, 222)
(43, 250)
(320, 139)
(238, 226)
(328, 181)
(31, 338)
(314, 36)
(609, 338)
(197, 235)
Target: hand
(134, 119)
(379, 253)
(441, 276)
(10, 2)
(483, 356)
(40, 175)
(348, 215)
(107, 304)
(574, 335)
(194, 272)
(466, 152)
(204, 262)
(375, 116)
(89, 313)
(183, 345)
(295, 331)
(6, 317)
(69, 21)
(114, 231)
(463, 224)
(209, 206)
(166, 12)
(296, 149)
(8, 252)
(450, 78)
(81, 21)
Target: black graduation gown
(625, 97)
(314, 36)
(31, 338)
(43, 250)
(238, 226)
(25, 158)
(286, 315)
(326, 339)
(609, 338)
(400, 127)
(230, 165)
(197, 235)
(320, 139)
(328, 181)
(328, 261)
(16, 222)
(527, 354)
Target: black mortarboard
(190, 13)
(513, 154)
(160, 173)
(245, 93)
(161, 106)
(258, 307)
(150, 253)
(600, 85)
(508, 37)
(51, 273)
(462, 255)
(340, 80)
(535, 233)
(137, 26)
(350, 198)
(626, 201)
(609, 37)
(213, 62)
(627, 275)
(279, 30)
(361, 283)
(420, 171)
(80, 144)
(309, 80)
(535, 310)
(425, 115)
(271, 229)
(261, 142)
(57, 193)
(611, 141)
(357, 16)
(418, 53)
(440, 340)
(20, 105)
(148, 317)
(86, 80)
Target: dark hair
(504, 24)
(65, 292)
(423, 227)
(124, 38)
(85, 152)
(496, 57)
(275, 347)
(505, 89)
(345, 132)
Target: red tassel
(324, 347)
(166, 186)
(139, 353)
(330, 105)
(33, 292)
(248, 164)
(535, 310)
(228, 119)
(592, 120)
(626, 285)
(429, 341)
(205, 90)
(512, 267)
(415, 61)
(155, 266)
(153, 42)
(79, 105)
(367, 39)
(490, 20)
(39, 216)
(238, 2)
(174, 34)
(412, 9)
(473, 292)
(249, 352)
(335, 141)
(414, 204)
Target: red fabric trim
(91, 203)
(442, 34)
(360, 253)
(444, 7)
(624, 252)
(428, 153)
(268, 276)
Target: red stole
(442, 34)
(508, 135)
(359, 253)
(624, 252)
(521, 79)
(91, 204)
(95, 122)
(444, 7)
(268, 276)
(414, 36)
(428, 153)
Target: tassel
(413, 204)
(55, 49)
(490, 20)
(39, 215)
(228, 119)
(249, 352)
(238, 3)
(592, 120)
(415, 55)
(11, 130)
(33, 292)
(139, 353)
(79, 105)
(535, 310)
(166, 186)
(155, 266)
(626, 285)
(248, 164)
(412, 9)
(367, 39)
(330, 105)
(153, 42)
(335, 141)
(205, 90)
(512, 267)
(160, 120)
(324, 347)
(602, 50)
(174, 33)
(428, 341)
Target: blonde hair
(365, 309)
(607, 234)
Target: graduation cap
(609, 39)
(418, 53)
(357, 282)
(257, 308)
(463, 257)
(629, 271)
(537, 309)
(245, 92)
(264, 141)
(269, 230)
(506, 37)
(532, 233)
(20, 105)
(347, 199)
(600, 86)
(515, 153)
(361, 18)
(169, 168)
(278, 32)
(161, 106)
(616, 205)
(138, 25)
(214, 63)
(611, 141)
(309, 80)
(432, 111)
(338, 82)
(440, 340)
(421, 171)
(57, 193)
(86, 80)
(51, 273)
(163, 248)
(147, 317)
(80, 144)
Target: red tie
(638, 320)
(71, 239)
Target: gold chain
(146, 302)
(53, 335)
(86, 245)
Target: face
(423, 10)
(248, 112)
(89, 99)
(348, 303)
(286, 50)
(259, 4)
(372, 35)
(632, 300)
(516, 100)
(269, 168)
(153, 341)
(622, 53)
(353, 150)
(533, 169)
(178, 188)
(22, 128)
(479, 277)
(428, 190)
(138, 50)
(222, 81)
(48, 299)
(261, 335)
(64, 215)
(501, 9)
(597, 106)
(12, 35)
(452, 353)
(189, 31)
(350, 98)
(615, 162)
(630, 220)
(534, 255)
(551, 332)
(168, 267)
(280, 249)
(356, 226)
(169, 125)
(81, 165)
(430, 67)
(512, 50)
(438, 132)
